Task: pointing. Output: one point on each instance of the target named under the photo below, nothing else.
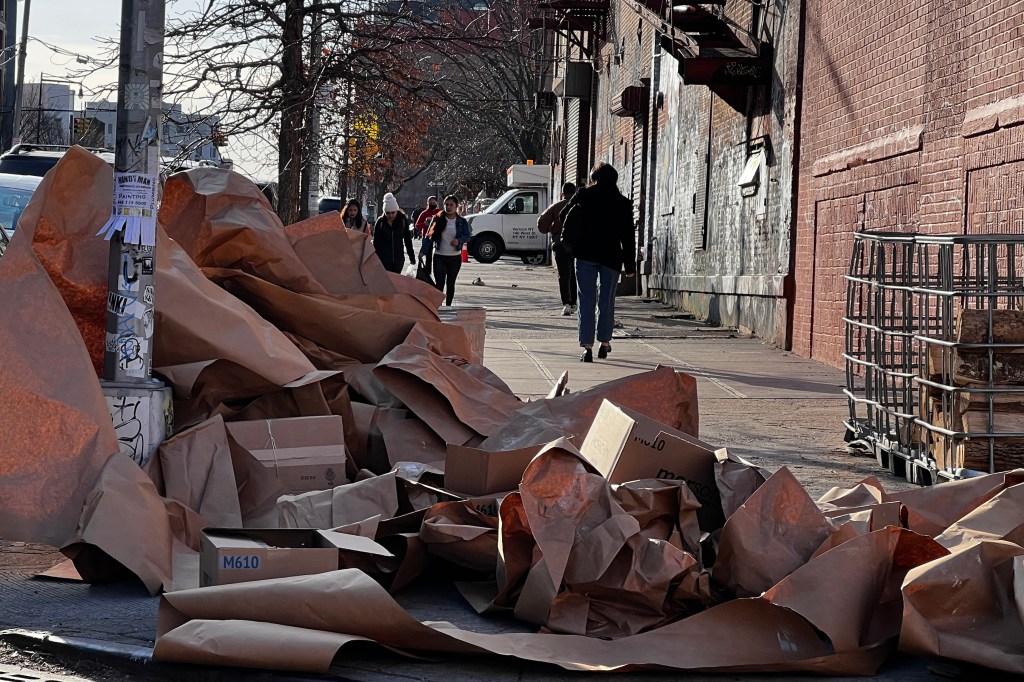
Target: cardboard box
(624, 445)
(235, 555)
(307, 453)
(472, 471)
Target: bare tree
(410, 85)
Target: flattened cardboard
(308, 453)
(624, 445)
(229, 555)
(478, 472)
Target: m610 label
(243, 562)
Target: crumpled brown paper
(197, 471)
(453, 402)
(239, 356)
(53, 448)
(67, 209)
(968, 606)
(124, 518)
(790, 629)
(772, 534)
(663, 394)
(600, 560)
(223, 220)
(326, 509)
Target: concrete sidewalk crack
(692, 368)
(535, 360)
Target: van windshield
(500, 202)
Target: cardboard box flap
(354, 543)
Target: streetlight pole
(9, 70)
(132, 393)
(22, 55)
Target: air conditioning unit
(575, 82)
(631, 101)
(545, 99)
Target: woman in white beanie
(390, 230)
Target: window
(522, 203)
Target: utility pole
(137, 401)
(10, 31)
(22, 55)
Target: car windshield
(12, 202)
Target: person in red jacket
(425, 216)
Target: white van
(509, 225)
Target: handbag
(423, 269)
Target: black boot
(588, 355)
(604, 350)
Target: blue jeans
(587, 275)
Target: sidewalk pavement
(767, 405)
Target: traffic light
(81, 127)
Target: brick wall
(910, 122)
(733, 273)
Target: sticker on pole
(134, 209)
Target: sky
(72, 25)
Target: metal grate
(921, 389)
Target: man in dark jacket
(601, 238)
(550, 223)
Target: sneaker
(604, 350)
(588, 356)
(567, 310)
(573, 310)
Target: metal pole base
(143, 416)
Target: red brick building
(911, 114)
(748, 184)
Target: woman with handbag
(447, 233)
(597, 226)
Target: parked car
(38, 159)
(15, 193)
(328, 204)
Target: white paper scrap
(134, 209)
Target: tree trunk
(291, 138)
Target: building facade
(756, 139)
(695, 106)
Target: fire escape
(713, 49)
(581, 22)
(581, 26)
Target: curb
(138, 660)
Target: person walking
(425, 216)
(549, 223)
(447, 233)
(597, 226)
(353, 219)
(391, 230)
